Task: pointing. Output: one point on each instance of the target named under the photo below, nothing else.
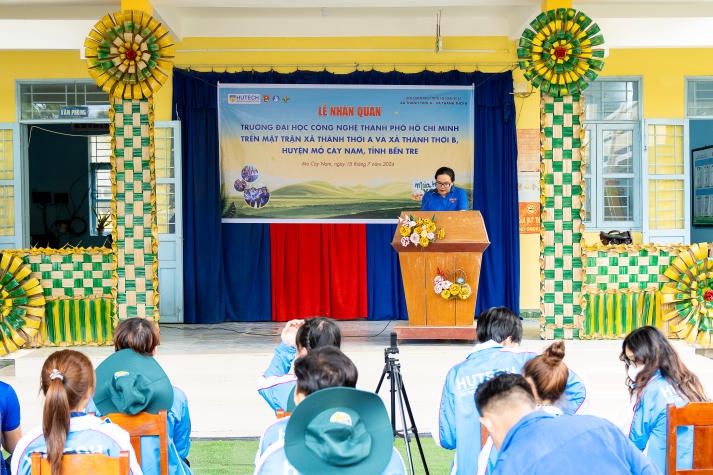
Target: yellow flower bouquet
(419, 231)
(448, 289)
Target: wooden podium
(430, 316)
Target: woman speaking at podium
(445, 196)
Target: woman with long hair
(67, 382)
(656, 377)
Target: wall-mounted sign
(73, 112)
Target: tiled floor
(217, 366)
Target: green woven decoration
(22, 303)
(136, 243)
(129, 54)
(562, 208)
(688, 298)
(557, 52)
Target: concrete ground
(217, 367)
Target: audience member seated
(277, 384)
(334, 427)
(499, 332)
(325, 367)
(67, 382)
(132, 381)
(534, 442)
(9, 423)
(656, 377)
(547, 374)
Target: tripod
(392, 370)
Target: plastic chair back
(145, 424)
(700, 416)
(95, 464)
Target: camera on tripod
(391, 350)
(392, 372)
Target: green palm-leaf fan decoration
(129, 54)
(22, 304)
(688, 297)
(557, 54)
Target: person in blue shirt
(320, 368)
(547, 374)
(135, 344)
(499, 331)
(326, 381)
(277, 384)
(67, 381)
(535, 442)
(656, 377)
(9, 422)
(445, 196)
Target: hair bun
(554, 353)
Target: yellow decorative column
(129, 54)
(556, 54)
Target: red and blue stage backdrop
(242, 269)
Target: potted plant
(102, 220)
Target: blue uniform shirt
(272, 434)
(543, 444)
(87, 434)
(648, 428)
(277, 384)
(9, 413)
(455, 200)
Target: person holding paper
(445, 196)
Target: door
(11, 223)
(167, 141)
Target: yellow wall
(663, 71)
(34, 65)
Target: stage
(218, 365)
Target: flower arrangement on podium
(448, 289)
(419, 231)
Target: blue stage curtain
(385, 287)
(227, 266)
(495, 179)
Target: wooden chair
(96, 464)
(145, 424)
(700, 416)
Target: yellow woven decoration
(558, 52)
(22, 304)
(688, 298)
(129, 54)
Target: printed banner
(338, 153)
(528, 190)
